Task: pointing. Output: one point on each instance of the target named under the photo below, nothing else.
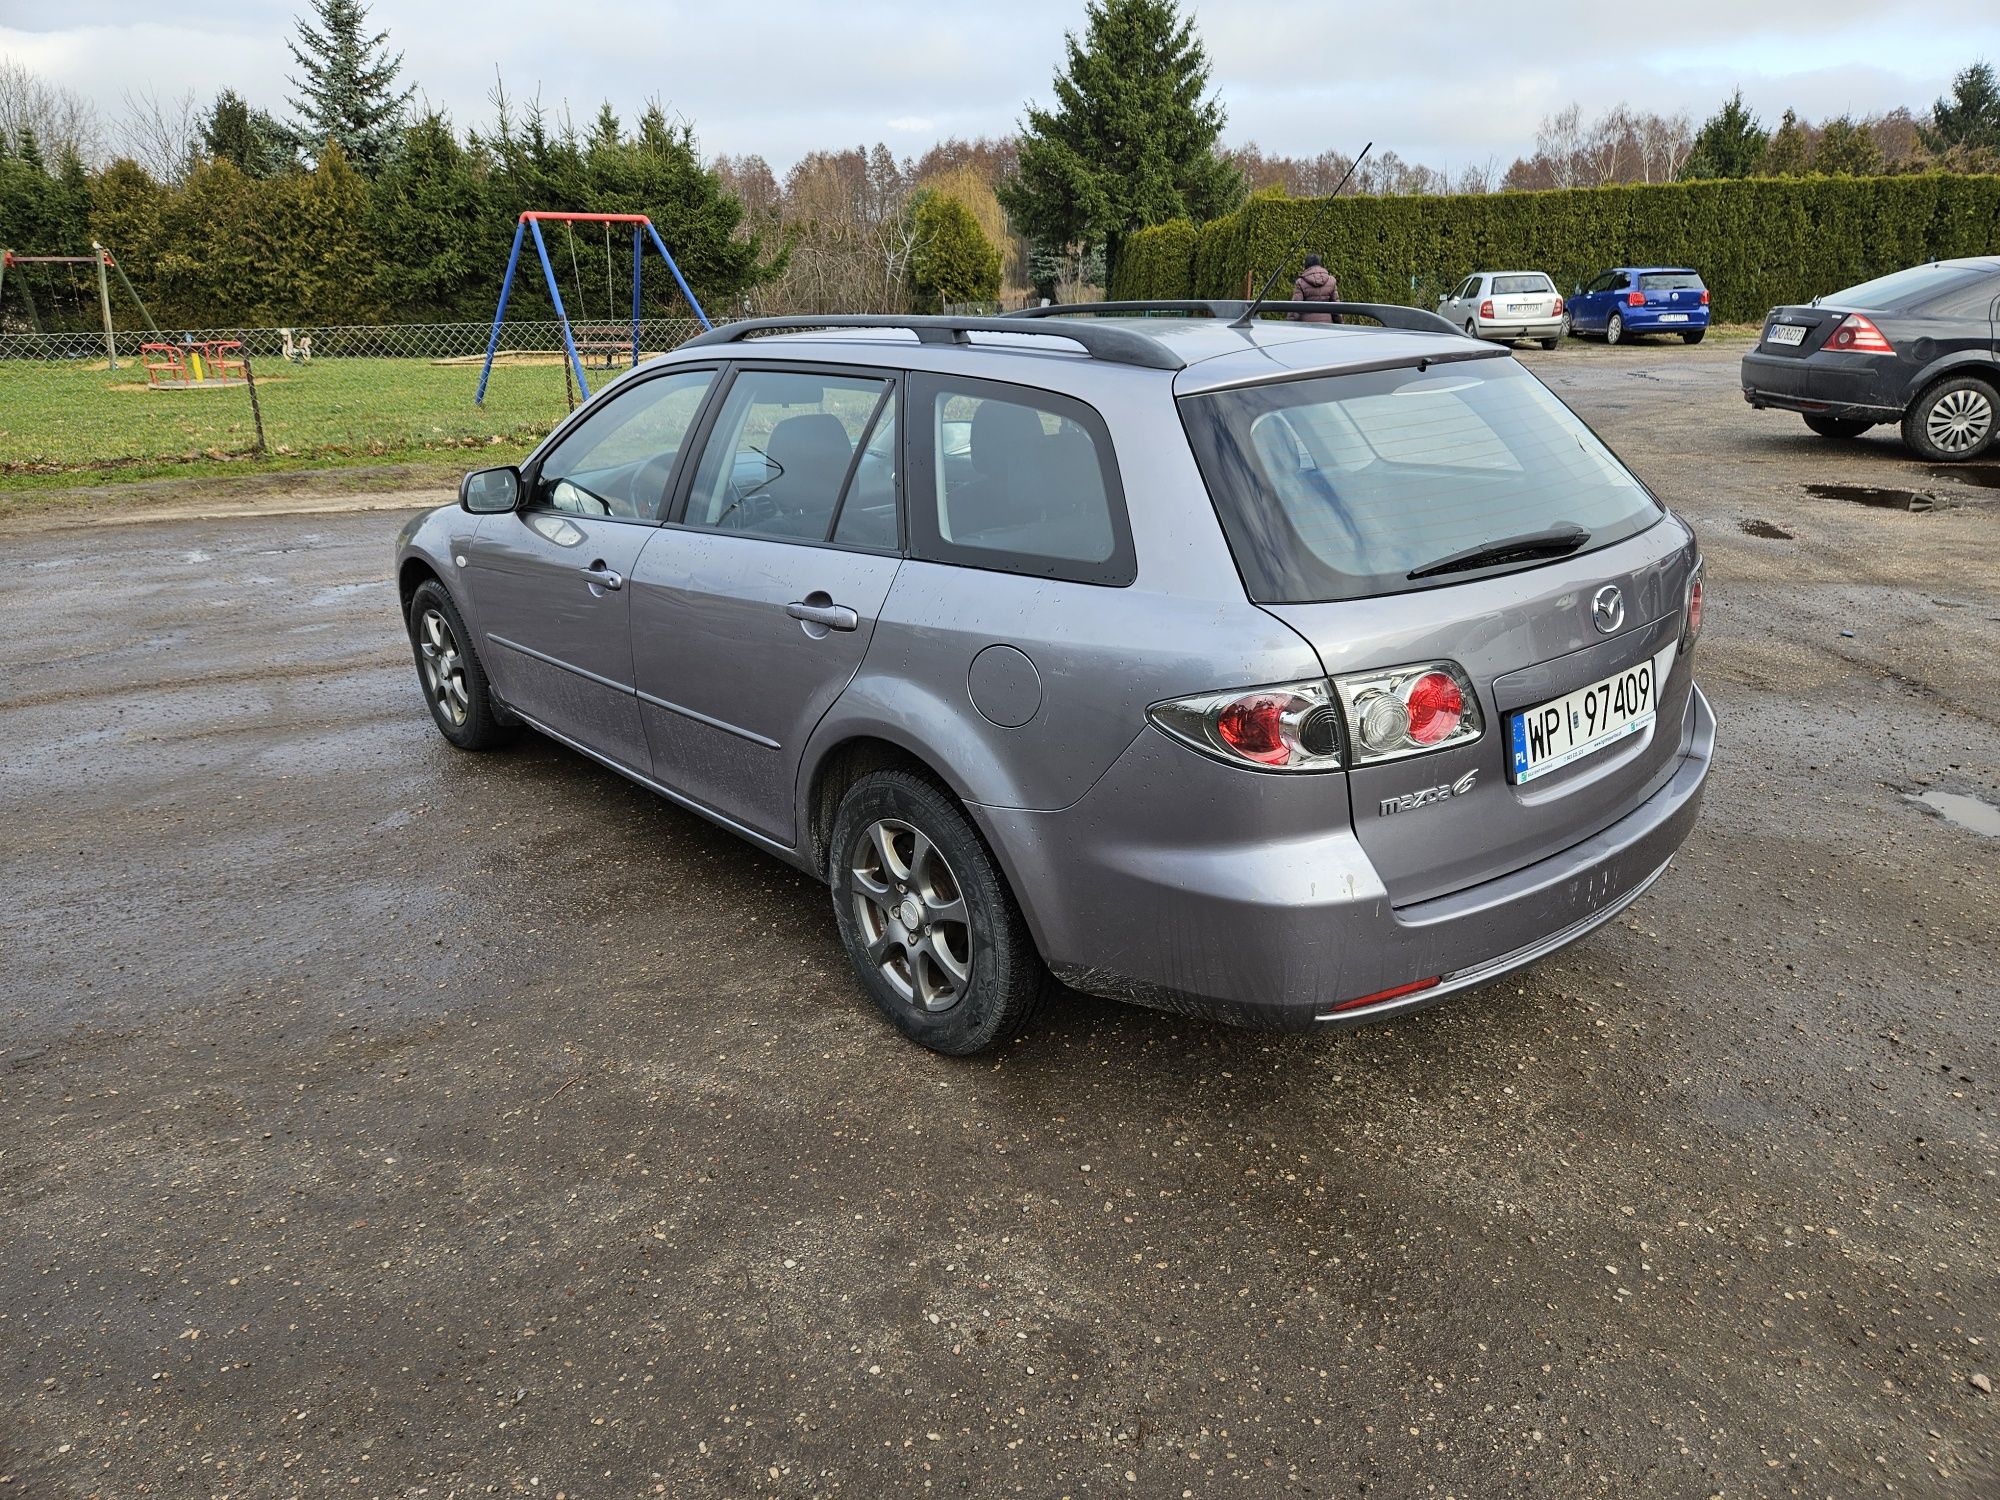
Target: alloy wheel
(912, 914)
(444, 666)
(1960, 420)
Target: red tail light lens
(1254, 728)
(1291, 727)
(1704, 296)
(1436, 706)
(1635, 299)
(1856, 335)
(1559, 309)
(1407, 711)
(1692, 616)
(1486, 309)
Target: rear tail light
(1704, 296)
(1856, 335)
(1691, 614)
(1407, 711)
(1486, 309)
(1290, 727)
(1559, 309)
(1635, 299)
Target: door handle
(603, 577)
(832, 616)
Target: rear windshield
(1514, 286)
(1919, 286)
(1669, 281)
(1340, 487)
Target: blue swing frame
(530, 223)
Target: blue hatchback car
(1630, 300)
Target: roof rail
(1388, 314)
(1117, 345)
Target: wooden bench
(607, 344)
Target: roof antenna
(1311, 229)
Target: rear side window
(1017, 480)
(1341, 487)
(1518, 286)
(1919, 287)
(1669, 281)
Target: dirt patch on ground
(285, 493)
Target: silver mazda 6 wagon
(1279, 672)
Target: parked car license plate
(1673, 317)
(1786, 333)
(1552, 735)
(1520, 307)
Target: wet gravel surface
(381, 1120)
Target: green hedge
(1757, 242)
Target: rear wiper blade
(1557, 541)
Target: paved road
(378, 1120)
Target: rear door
(1674, 297)
(1335, 491)
(754, 609)
(550, 579)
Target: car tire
(1471, 329)
(903, 851)
(1551, 343)
(1614, 329)
(1836, 427)
(1954, 421)
(1693, 336)
(451, 674)
(1567, 328)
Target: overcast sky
(1448, 83)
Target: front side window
(618, 461)
(1020, 481)
(1353, 486)
(782, 451)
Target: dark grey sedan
(1292, 673)
(1920, 347)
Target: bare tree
(1610, 149)
(60, 119)
(1559, 141)
(1664, 143)
(161, 135)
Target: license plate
(1520, 307)
(1787, 333)
(1673, 317)
(1564, 730)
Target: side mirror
(487, 492)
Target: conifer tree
(348, 93)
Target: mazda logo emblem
(1607, 609)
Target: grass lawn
(70, 423)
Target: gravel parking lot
(381, 1120)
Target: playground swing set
(106, 266)
(612, 342)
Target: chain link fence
(364, 341)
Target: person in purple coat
(1317, 284)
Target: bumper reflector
(1390, 994)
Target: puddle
(1985, 476)
(1967, 812)
(1882, 499)
(1767, 530)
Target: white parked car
(1506, 305)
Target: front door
(549, 581)
(753, 612)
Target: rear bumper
(1647, 320)
(1281, 929)
(1819, 386)
(1527, 328)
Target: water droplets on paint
(1974, 813)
